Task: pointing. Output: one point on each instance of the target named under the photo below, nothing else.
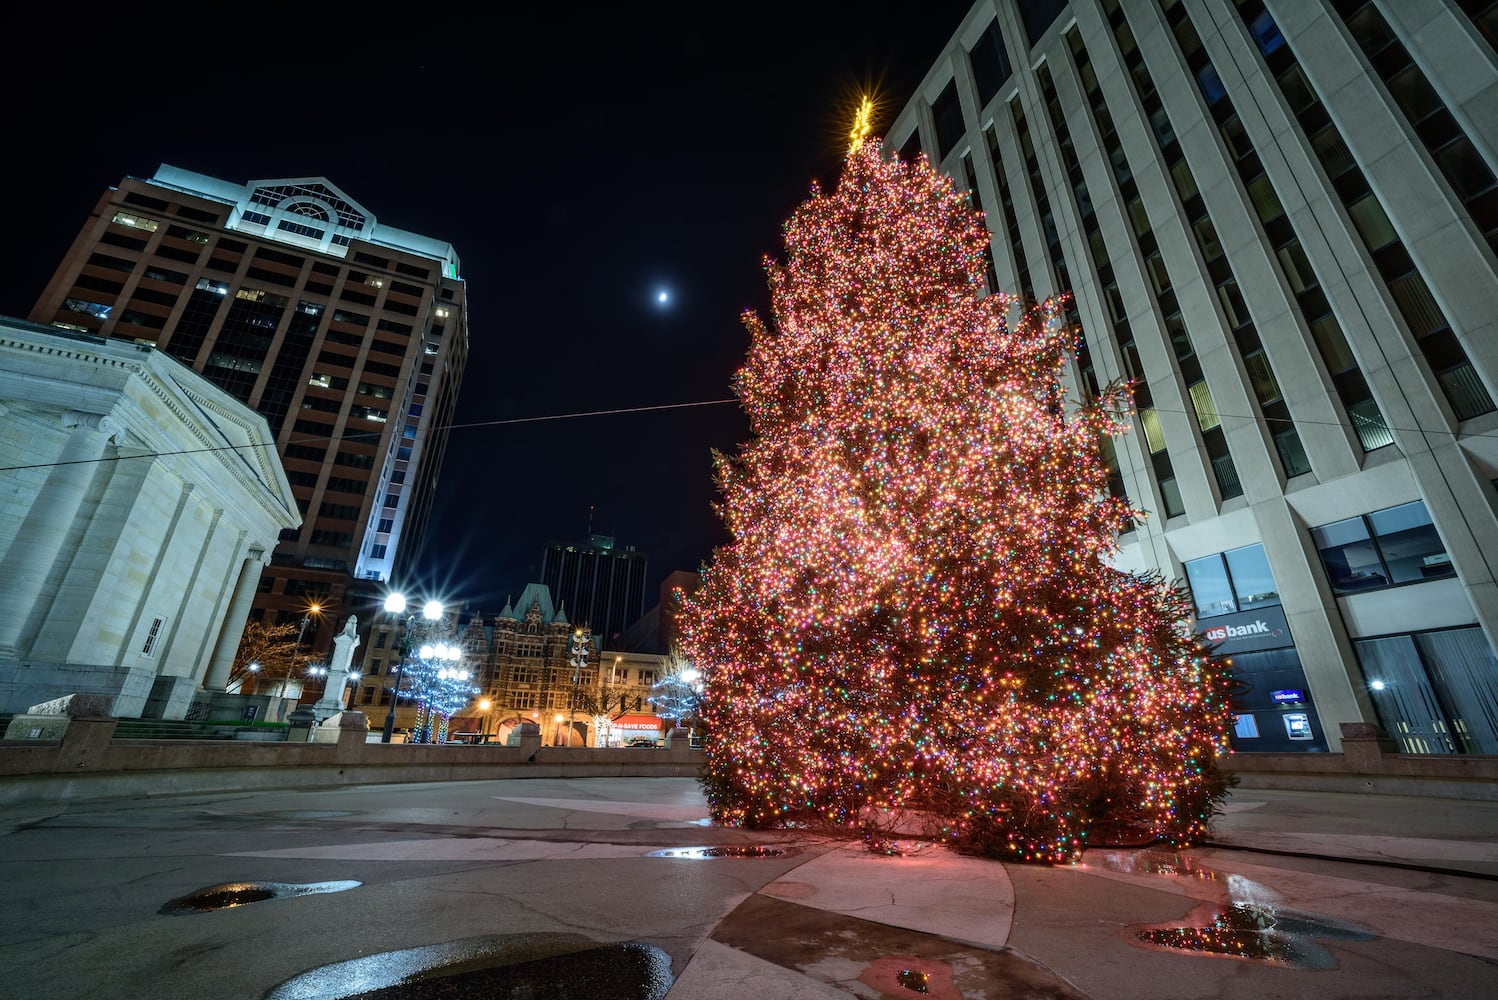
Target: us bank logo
(1221, 633)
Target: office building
(349, 337)
(600, 587)
(1278, 218)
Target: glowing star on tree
(917, 611)
(863, 124)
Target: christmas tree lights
(917, 609)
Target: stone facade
(1259, 231)
(523, 664)
(137, 507)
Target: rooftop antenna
(590, 522)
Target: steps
(173, 729)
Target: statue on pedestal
(344, 643)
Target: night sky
(580, 159)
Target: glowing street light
(396, 604)
(312, 609)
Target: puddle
(724, 851)
(1248, 924)
(555, 966)
(914, 980)
(1257, 932)
(232, 894)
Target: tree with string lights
(917, 613)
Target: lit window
(1371, 551)
(98, 309)
(1231, 581)
(135, 222)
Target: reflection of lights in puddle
(1152, 863)
(232, 894)
(914, 980)
(726, 851)
(1253, 931)
(910, 975)
(1248, 925)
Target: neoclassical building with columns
(138, 505)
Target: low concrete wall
(88, 763)
(1368, 763)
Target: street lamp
(579, 661)
(396, 604)
(353, 679)
(312, 609)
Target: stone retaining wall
(88, 763)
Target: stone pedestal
(300, 725)
(1364, 746)
(49, 720)
(331, 729)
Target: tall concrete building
(349, 337)
(1278, 219)
(600, 587)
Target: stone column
(234, 621)
(41, 536)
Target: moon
(662, 297)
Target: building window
(1231, 581)
(148, 648)
(135, 222)
(947, 111)
(98, 309)
(1386, 547)
(1435, 692)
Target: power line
(356, 435)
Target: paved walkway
(619, 888)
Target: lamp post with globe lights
(395, 604)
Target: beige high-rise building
(1278, 218)
(348, 336)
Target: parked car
(640, 741)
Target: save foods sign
(1246, 631)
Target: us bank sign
(1247, 631)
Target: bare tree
(271, 647)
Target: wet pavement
(617, 889)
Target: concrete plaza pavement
(592, 888)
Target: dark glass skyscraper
(599, 586)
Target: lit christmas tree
(916, 611)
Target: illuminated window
(135, 222)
